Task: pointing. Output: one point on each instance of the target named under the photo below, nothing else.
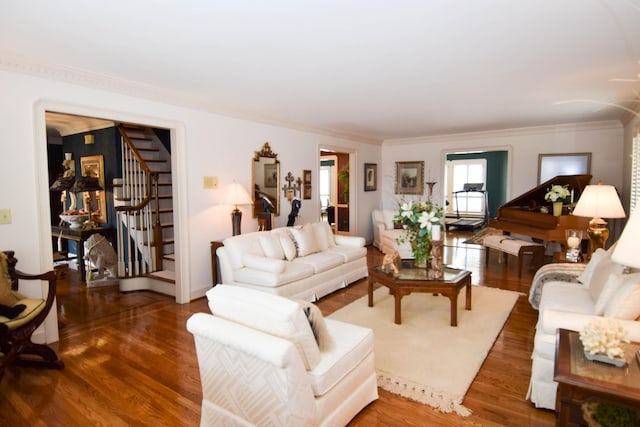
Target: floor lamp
(598, 202)
(237, 195)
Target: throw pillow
(305, 240)
(596, 257)
(597, 272)
(288, 247)
(625, 302)
(7, 296)
(613, 284)
(318, 325)
(270, 244)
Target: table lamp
(598, 202)
(236, 195)
(628, 245)
(87, 185)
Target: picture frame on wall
(93, 166)
(410, 177)
(306, 177)
(370, 177)
(306, 192)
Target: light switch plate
(5, 216)
(210, 182)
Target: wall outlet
(5, 216)
(210, 182)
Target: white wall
(203, 144)
(603, 139)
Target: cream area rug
(425, 359)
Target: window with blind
(635, 173)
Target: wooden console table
(80, 236)
(215, 265)
(580, 380)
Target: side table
(215, 265)
(78, 235)
(581, 380)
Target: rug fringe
(422, 393)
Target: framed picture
(551, 165)
(410, 177)
(306, 192)
(270, 175)
(94, 166)
(306, 177)
(370, 177)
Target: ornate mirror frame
(265, 179)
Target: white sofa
(261, 365)
(573, 301)
(385, 236)
(305, 262)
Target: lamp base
(236, 221)
(598, 234)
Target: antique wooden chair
(15, 334)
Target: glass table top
(408, 272)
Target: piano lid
(534, 198)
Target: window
(459, 173)
(635, 172)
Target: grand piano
(522, 215)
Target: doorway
(335, 183)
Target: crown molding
(533, 130)
(72, 75)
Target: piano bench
(516, 247)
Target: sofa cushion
(352, 344)
(324, 235)
(349, 253)
(318, 324)
(238, 246)
(305, 239)
(292, 272)
(625, 302)
(321, 261)
(569, 297)
(268, 313)
(271, 246)
(608, 290)
(288, 246)
(263, 263)
(597, 271)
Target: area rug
(425, 359)
(477, 238)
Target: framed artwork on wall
(93, 166)
(306, 182)
(306, 177)
(370, 177)
(410, 177)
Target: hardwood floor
(130, 361)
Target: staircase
(144, 206)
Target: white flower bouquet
(604, 336)
(558, 193)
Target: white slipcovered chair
(571, 300)
(385, 236)
(266, 360)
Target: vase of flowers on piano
(558, 195)
(422, 222)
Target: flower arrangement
(558, 193)
(418, 219)
(604, 336)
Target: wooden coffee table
(411, 280)
(581, 380)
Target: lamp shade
(62, 183)
(236, 195)
(628, 246)
(599, 201)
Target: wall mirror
(265, 178)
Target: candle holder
(574, 243)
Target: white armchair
(384, 235)
(600, 290)
(260, 363)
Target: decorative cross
(290, 189)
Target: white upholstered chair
(384, 234)
(261, 364)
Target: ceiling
(371, 70)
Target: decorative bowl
(75, 221)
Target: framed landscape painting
(410, 177)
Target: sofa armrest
(356, 241)
(551, 320)
(564, 272)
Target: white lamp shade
(599, 201)
(627, 250)
(236, 195)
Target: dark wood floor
(130, 361)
